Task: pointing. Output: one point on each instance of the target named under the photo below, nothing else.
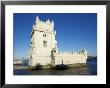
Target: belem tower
(43, 47)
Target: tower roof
(37, 18)
(48, 21)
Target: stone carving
(43, 34)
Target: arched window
(44, 35)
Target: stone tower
(42, 43)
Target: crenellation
(43, 47)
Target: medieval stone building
(43, 47)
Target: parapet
(43, 25)
(71, 53)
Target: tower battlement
(43, 25)
(43, 47)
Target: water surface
(90, 69)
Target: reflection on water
(90, 69)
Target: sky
(74, 31)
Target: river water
(90, 69)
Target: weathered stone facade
(43, 47)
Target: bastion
(44, 51)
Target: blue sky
(74, 31)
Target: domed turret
(84, 52)
(54, 51)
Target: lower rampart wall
(70, 58)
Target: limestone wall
(70, 58)
(43, 47)
(42, 41)
(41, 60)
